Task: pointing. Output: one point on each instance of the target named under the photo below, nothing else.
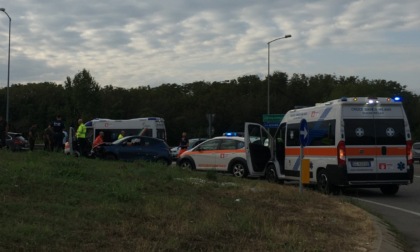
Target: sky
(131, 43)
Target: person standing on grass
(183, 143)
(2, 132)
(81, 137)
(58, 127)
(32, 136)
(48, 138)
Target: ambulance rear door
(375, 139)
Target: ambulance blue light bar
(397, 99)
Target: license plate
(360, 163)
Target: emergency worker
(98, 140)
(48, 138)
(122, 134)
(58, 127)
(81, 137)
(183, 143)
(32, 136)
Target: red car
(16, 142)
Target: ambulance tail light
(409, 150)
(341, 154)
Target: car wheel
(390, 189)
(186, 164)
(271, 174)
(239, 169)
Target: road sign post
(304, 138)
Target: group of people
(56, 137)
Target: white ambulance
(352, 142)
(145, 126)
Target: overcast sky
(131, 43)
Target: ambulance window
(321, 133)
(359, 132)
(374, 131)
(292, 136)
(390, 131)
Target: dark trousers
(31, 143)
(82, 143)
(58, 141)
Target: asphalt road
(401, 210)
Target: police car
(224, 153)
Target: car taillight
(341, 153)
(409, 152)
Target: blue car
(132, 148)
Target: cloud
(131, 43)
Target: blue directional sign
(303, 132)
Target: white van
(352, 142)
(147, 126)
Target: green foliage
(185, 106)
(53, 202)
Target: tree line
(184, 106)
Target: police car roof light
(397, 98)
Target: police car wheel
(239, 169)
(271, 174)
(186, 164)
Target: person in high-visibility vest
(81, 137)
(122, 134)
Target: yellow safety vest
(81, 131)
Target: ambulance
(145, 126)
(351, 142)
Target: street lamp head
(2, 9)
(288, 36)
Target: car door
(132, 149)
(257, 148)
(204, 155)
(228, 150)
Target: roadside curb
(385, 239)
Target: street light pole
(268, 76)
(8, 69)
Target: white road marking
(389, 206)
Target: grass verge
(54, 202)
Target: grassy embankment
(53, 202)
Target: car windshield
(121, 140)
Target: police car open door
(257, 147)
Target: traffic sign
(272, 120)
(303, 133)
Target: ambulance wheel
(239, 169)
(324, 185)
(271, 174)
(390, 189)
